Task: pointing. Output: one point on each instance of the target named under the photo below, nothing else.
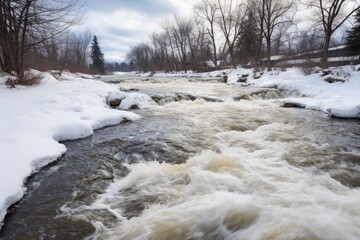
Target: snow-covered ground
(34, 120)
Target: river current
(210, 167)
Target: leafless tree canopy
(25, 24)
(221, 33)
(330, 15)
(271, 16)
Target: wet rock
(243, 78)
(256, 76)
(291, 105)
(114, 99)
(225, 78)
(129, 89)
(210, 99)
(115, 103)
(266, 94)
(326, 72)
(134, 106)
(243, 97)
(332, 79)
(175, 97)
(124, 121)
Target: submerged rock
(177, 97)
(115, 102)
(264, 94)
(210, 99)
(243, 97)
(129, 89)
(291, 105)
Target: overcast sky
(121, 24)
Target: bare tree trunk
(21, 64)
(331, 14)
(324, 61)
(268, 55)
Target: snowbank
(34, 120)
(336, 99)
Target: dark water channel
(88, 166)
(314, 143)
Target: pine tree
(353, 39)
(247, 45)
(97, 56)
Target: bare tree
(231, 18)
(140, 55)
(331, 14)
(157, 52)
(271, 14)
(257, 11)
(81, 48)
(309, 41)
(180, 32)
(281, 35)
(26, 24)
(208, 10)
(169, 42)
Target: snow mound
(35, 119)
(338, 99)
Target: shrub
(29, 79)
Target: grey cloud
(150, 7)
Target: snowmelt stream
(204, 170)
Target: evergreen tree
(97, 56)
(247, 45)
(353, 39)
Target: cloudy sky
(121, 24)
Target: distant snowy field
(34, 120)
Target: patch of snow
(235, 74)
(136, 99)
(35, 119)
(335, 99)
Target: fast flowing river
(205, 168)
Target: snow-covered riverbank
(34, 120)
(336, 99)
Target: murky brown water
(201, 170)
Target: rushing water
(201, 169)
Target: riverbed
(213, 166)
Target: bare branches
(207, 10)
(26, 24)
(271, 15)
(332, 14)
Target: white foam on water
(240, 185)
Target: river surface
(206, 168)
